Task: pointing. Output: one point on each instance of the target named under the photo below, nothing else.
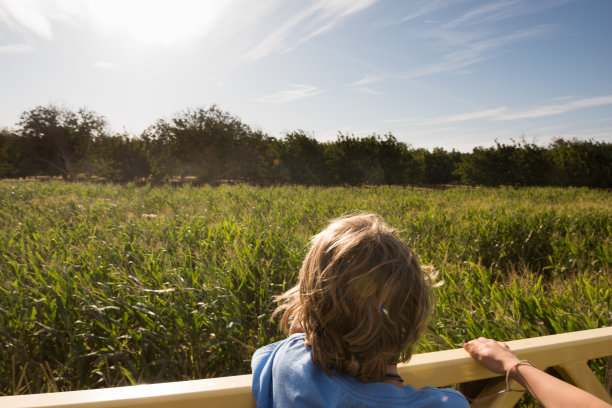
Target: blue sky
(453, 74)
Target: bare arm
(548, 390)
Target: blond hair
(362, 299)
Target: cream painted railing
(568, 353)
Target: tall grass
(103, 285)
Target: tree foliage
(61, 139)
(213, 146)
(200, 142)
(581, 163)
(303, 159)
(120, 158)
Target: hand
(494, 355)
(548, 390)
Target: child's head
(362, 298)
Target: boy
(361, 304)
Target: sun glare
(157, 21)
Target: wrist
(511, 364)
(513, 371)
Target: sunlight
(158, 22)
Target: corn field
(106, 285)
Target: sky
(434, 73)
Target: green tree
(61, 139)
(198, 142)
(563, 163)
(120, 158)
(581, 163)
(160, 149)
(303, 157)
(8, 150)
(255, 158)
(398, 162)
(532, 164)
(492, 166)
(440, 166)
(354, 161)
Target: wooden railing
(568, 353)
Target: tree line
(212, 146)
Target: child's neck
(392, 369)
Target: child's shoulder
(278, 368)
(286, 348)
(289, 342)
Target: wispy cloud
(502, 10)
(412, 10)
(476, 51)
(396, 120)
(105, 65)
(368, 79)
(296, 91)
(504, 114)
(366, 90)
(26, 16)
(473, 36)
(314, 19)
(16, 49)
(360, 85)
(549, 110)
(462, 117)
(425, 7)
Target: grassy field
(104, 285)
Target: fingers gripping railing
(568, 353)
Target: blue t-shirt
(284, 375)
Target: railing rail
(568, 353)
